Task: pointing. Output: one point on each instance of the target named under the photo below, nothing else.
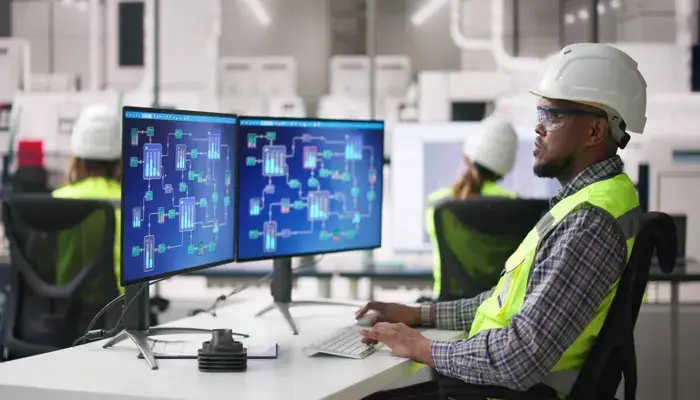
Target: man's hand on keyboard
(402, 340)
(392, 312)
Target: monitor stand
(281, 288)
(136, 324)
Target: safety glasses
(553, 118)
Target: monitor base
(284, 307)
(139, 338)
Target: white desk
(89, 371)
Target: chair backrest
(475, 238)
(613, 353)
(62, 269)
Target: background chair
(74, 235)
(613, 354)
(475, 238)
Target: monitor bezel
(306, 254)
(170, 274)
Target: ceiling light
(583, 14)
(569, 19)
(615, 4)
(426, 11)
(258, 11)
(601, 9)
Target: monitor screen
(179, 171)
(308, 186)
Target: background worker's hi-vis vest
(90, 188)
(618, 197)
(488, 188)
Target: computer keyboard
(346, 342)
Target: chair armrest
(455, 389)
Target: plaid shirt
(573, 269)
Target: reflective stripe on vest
(618, 197)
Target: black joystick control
(222, 353)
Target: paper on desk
(257, 348)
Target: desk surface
(89, 371)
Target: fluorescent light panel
(426, 11)
(258, 11)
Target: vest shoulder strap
(597, 194)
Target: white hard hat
(97, 134)
(493, 145)
(599, 75)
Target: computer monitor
(178, 215)
(306, 187)
(428, 157)
(179, 170)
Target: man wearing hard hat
(94, 173)
(489, 156)
(539, 322)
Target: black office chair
(4, 293)
(475, 238)
(613, 354)
(40, 315)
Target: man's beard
(554, 168)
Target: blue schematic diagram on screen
(186, 174)
(318, 186)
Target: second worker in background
(94, 173)
(489, 155)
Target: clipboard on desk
(187, 349)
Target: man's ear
(598, 131)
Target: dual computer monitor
(203, 189)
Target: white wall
(300, 28)
(428, 45)
(33, 21)
(538, 24)
(625, 20)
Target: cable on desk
(212, 309)
(91, 335)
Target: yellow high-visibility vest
(90, 188)
(618, 197)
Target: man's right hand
(392, 312)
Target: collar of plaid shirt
(597, 172)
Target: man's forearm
(458, 314)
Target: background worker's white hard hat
(97, 134)
(493, 145)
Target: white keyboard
(346, 342)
